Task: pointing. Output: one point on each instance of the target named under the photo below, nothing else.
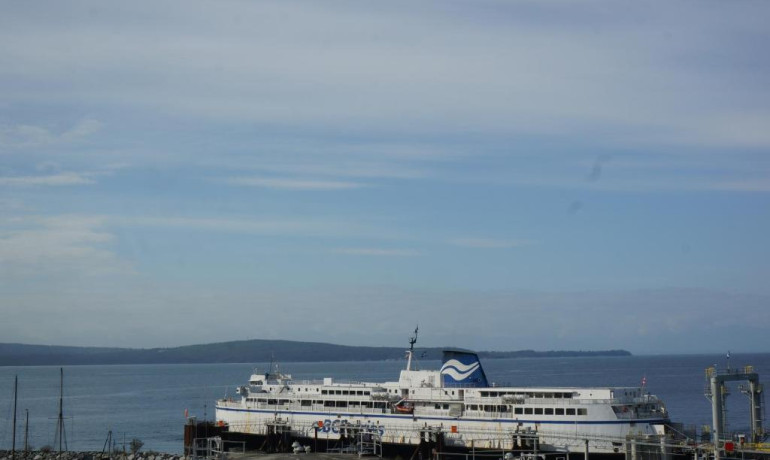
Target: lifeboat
(404, 407)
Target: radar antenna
(410, 353)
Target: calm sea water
(148, 401)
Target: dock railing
(215, 448)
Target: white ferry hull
(606, 436)
(455, 404)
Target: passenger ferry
(456, 400)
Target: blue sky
(509, 175)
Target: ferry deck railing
(556, 401)
(451, 412)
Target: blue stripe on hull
(449, 419)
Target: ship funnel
(463, 369)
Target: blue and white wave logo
(458, 370)
(463, 369)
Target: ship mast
(410, 353)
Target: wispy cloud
(258, 226)
(83, 128)
(489, 243)
(10, 205)
(293, 184)
(274, 225)
(747, 185)
(24, 135)
(335, 165)
(53, 180)
(50, 174)
(378, 252)
(643, 172)
(576, 79)
(72, 244)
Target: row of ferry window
(470, 407)
(308, 403)
(345, 392)
(495, 394)
(528, 410)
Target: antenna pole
(15, 399)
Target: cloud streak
(276, 226)
(377, 252)
(292, 183)
(23, 135)
(67, 245)
(54, 180)
(489, 243)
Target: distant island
(243, 351)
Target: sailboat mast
(61, 407)
(26, 433)
(15, 400)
